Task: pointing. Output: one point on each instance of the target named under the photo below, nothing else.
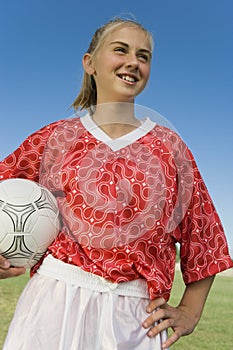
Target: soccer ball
(29, 221)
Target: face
(121, 66)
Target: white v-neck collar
(120, 142)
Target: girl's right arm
(24, 162)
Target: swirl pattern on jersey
(124, 210)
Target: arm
(183, 318)
(24, 162)
(7, 271)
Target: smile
(128, 78)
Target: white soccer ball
(29, 221)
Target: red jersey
(125, 202)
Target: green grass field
(214, 331)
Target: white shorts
(65, 308)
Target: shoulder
(170, 140)
(57, 126)
(166, 134)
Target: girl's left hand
(181, 319)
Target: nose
(132, 61)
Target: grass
(10, 290)
(214, 331)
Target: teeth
(128, 78)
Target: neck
(117, 113)
(116, 119)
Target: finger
(154, 304)
(159, 327)
(155, 317)
(171, 340)
(161, 312)
(4, 263)
(12, 272)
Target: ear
(87, 64)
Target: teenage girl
(128, 190)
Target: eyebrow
(126, 45)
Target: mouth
(128, 77)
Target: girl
(127, 190)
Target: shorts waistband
(57, 269)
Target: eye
(143, 57)
(120, 49)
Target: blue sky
(191, 84)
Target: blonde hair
(87, 96)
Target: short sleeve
(25, 161)
(203, 245)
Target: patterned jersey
(125, 203)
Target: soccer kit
(124, 205)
